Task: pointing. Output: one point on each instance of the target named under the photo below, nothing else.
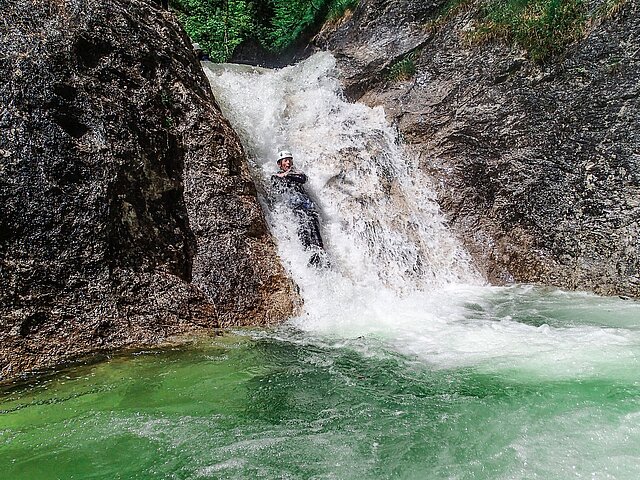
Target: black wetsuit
(290, 187)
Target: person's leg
(309, 234)
(309, 229)
(314, 230)
(303, 228)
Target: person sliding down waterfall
(288, 183)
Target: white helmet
(284, 154)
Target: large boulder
(537, 166)
(127, 213)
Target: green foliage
(339, 7)
(542, 27)
(219, 26)
(403, 69)
(290, 19)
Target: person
(289, 184)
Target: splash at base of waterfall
(513, 383)
(399, 274)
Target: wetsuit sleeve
(297, 177)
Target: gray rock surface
(536, 166)
(127, 214)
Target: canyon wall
(127, 212)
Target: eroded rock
(127, 213)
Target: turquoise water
(302, 403)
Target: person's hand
(281, 175)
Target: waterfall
(381, 224)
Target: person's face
(286, 163)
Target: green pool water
(295, 404)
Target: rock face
(127, 213)
(536, 166)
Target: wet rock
(127, 213)
(536, 165)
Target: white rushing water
(397, 272)
(381, 225)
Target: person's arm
(297, 177)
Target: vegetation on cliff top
(219, 26)
(543, 28)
